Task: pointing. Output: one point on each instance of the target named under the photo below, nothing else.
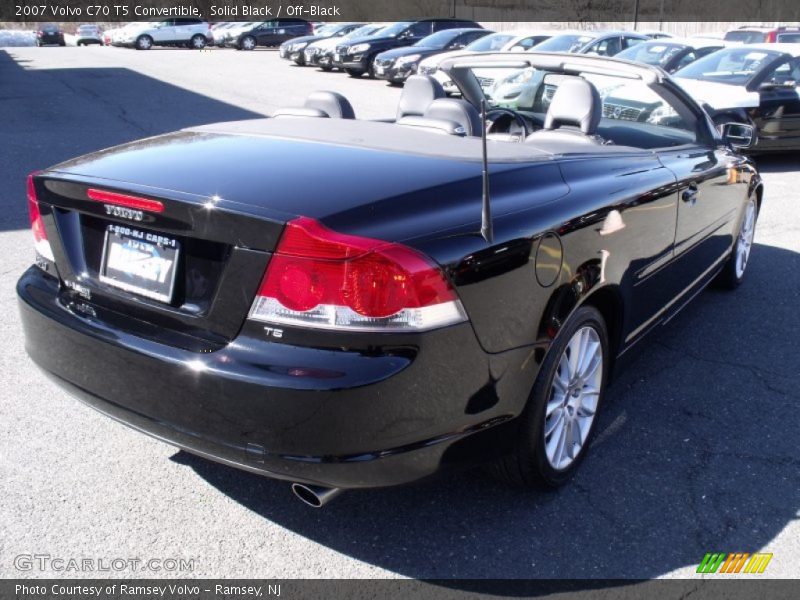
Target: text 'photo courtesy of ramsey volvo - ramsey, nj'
(467, 298)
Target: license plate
(282, 53)
(140, 262)
(337, 57)
(380, 70)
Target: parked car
(601, 43)
(671, 54)
(184, 32)
(294, 49)
(232, 30)
(50, 35)
(320, 53)
(359, 331)
(357, 56)
(506, 41)
(756, 35)
(757, 84)
(270, 33)
(396, 65)
(88, 34)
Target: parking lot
(696, 452)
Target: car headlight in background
(298, 46)
(404, 61)
(359, 48)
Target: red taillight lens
(321, 278)
(125, 200)
(771, 37)
(37, 225)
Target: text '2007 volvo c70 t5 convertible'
(466, 299)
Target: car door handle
(689, 194)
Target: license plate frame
(123, 248)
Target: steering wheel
(505, 120)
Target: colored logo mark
(735, 562)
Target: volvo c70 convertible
(465, 299)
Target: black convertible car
(465, 299)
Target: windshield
(489, 43)
(329, 29)
(565, 43)
(365, 30)
(652, 53)
(394, 29)
(440, 39)
(746, 37)
(734, 66)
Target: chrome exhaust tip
(314, 495)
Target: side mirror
(739, 135)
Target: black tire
(732, 274)
(356, 73)
(528, 465)
(326, 68)
(248, 42)
(198, 42)
(143, 42)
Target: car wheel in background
(326, 68)
(354, 72)
(248, 42)
(732, 273)
(143, 42)
(557, 424)
(198, 42)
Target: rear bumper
(335, 418)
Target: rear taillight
(771, 37)
(37, 225)
(320, 278)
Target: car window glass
(606, 47)
(733, 66)
(686, 59)
(420, 29)
(491, 42)
(789, 38)
(632, 41)
(746, 37)
(785, 73)
(633, 113)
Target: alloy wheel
(745, 241)
(573, 399)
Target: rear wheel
(558, 422)
(248, 42)
(732, 273)
(198, 42)
(144, 42)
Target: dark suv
(357, 55)
(50, 34)
(271, 33)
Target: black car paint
(299, 57)
(274, 33)
(50, 35)
(777, 117)
(359, 409)
(416, 30)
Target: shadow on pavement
(696, 452)
(50, 115)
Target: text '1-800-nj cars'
(465, 299)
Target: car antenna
(487, 231)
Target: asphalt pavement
(697, 447)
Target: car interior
(565, 111)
